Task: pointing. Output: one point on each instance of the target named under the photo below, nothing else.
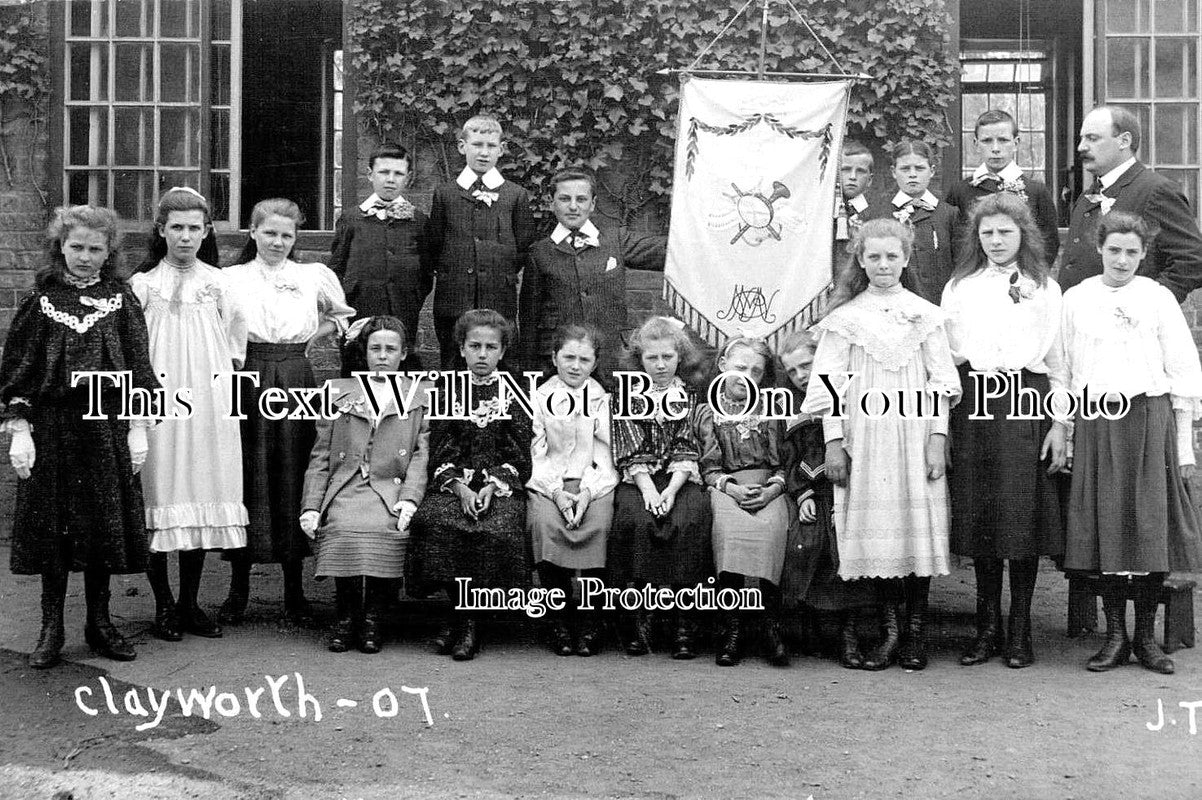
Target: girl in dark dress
(79, 502)
(661, 530)
(472, 522)
(1003, 322)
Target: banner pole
(763, 39)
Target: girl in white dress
(191, 481)
(290, 310)
(885, 451)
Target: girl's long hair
(179, 199)
(1031, 259)
(852, 279)
(64, 220)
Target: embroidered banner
(749, 247)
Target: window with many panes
(1001, 75)
(148, 89)
(1148, 61)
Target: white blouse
(285, 304)
(1001, 323)
(197, 285)
(1131, 339)
(571, 446)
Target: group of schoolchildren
(844, 517)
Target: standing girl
(366, 477)
(661, 532)
(881, 345)
(191, 481)
(1130, 514)
(1003, 322)
(571, 503)
(79, 502)
(933, 222)
(742, 465)
(290, 308)
(474, 524)
(811, 569)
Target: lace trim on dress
(889, 334)
(104, 306)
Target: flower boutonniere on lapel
(399, 208)
(1101, 200)
(210, 293)
(903, 214)
(1021, 288)
(1018, 186)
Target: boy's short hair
(573, 174)
(389, 150)
(994, 116)
(852, 147)
(481, 123)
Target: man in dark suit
(1109, 142)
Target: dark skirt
(673, 551)
(493, 551)
(81, 506)
(275, 455)
(811, 571)
(1129, 508)
(1004, 504)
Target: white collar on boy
(491, 179)
(588, 230)
(1010, 172)
(859, 203)
(371, 202)
(926, 198)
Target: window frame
(58, 152)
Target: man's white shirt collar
(591, 234)
(901, 198)
(859, 203)
(368, 204)
(491, 179)
(1010, 172)
(1107, 180)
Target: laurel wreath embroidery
(104, 306)
(747, 124)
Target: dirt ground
(520, 722)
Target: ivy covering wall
(574, 80)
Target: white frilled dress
(192, 479)
(890, 520)
(570, 451)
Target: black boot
(1023, 572)
(849, 641)
(637, 626)
(348, 604)
(297, 610)
(913, 652)
(444, 640)
(885, 653)
(371, 633)
(729, 640)
(166, 615)
(194, 620)
(233, 610)
(1117, 650)
(775, 650)
(589, 642)
(50, 641)
(684, 639)
(989, 612)
(559, 632)
(1143, 644)
(468, 641)
(101, 636)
